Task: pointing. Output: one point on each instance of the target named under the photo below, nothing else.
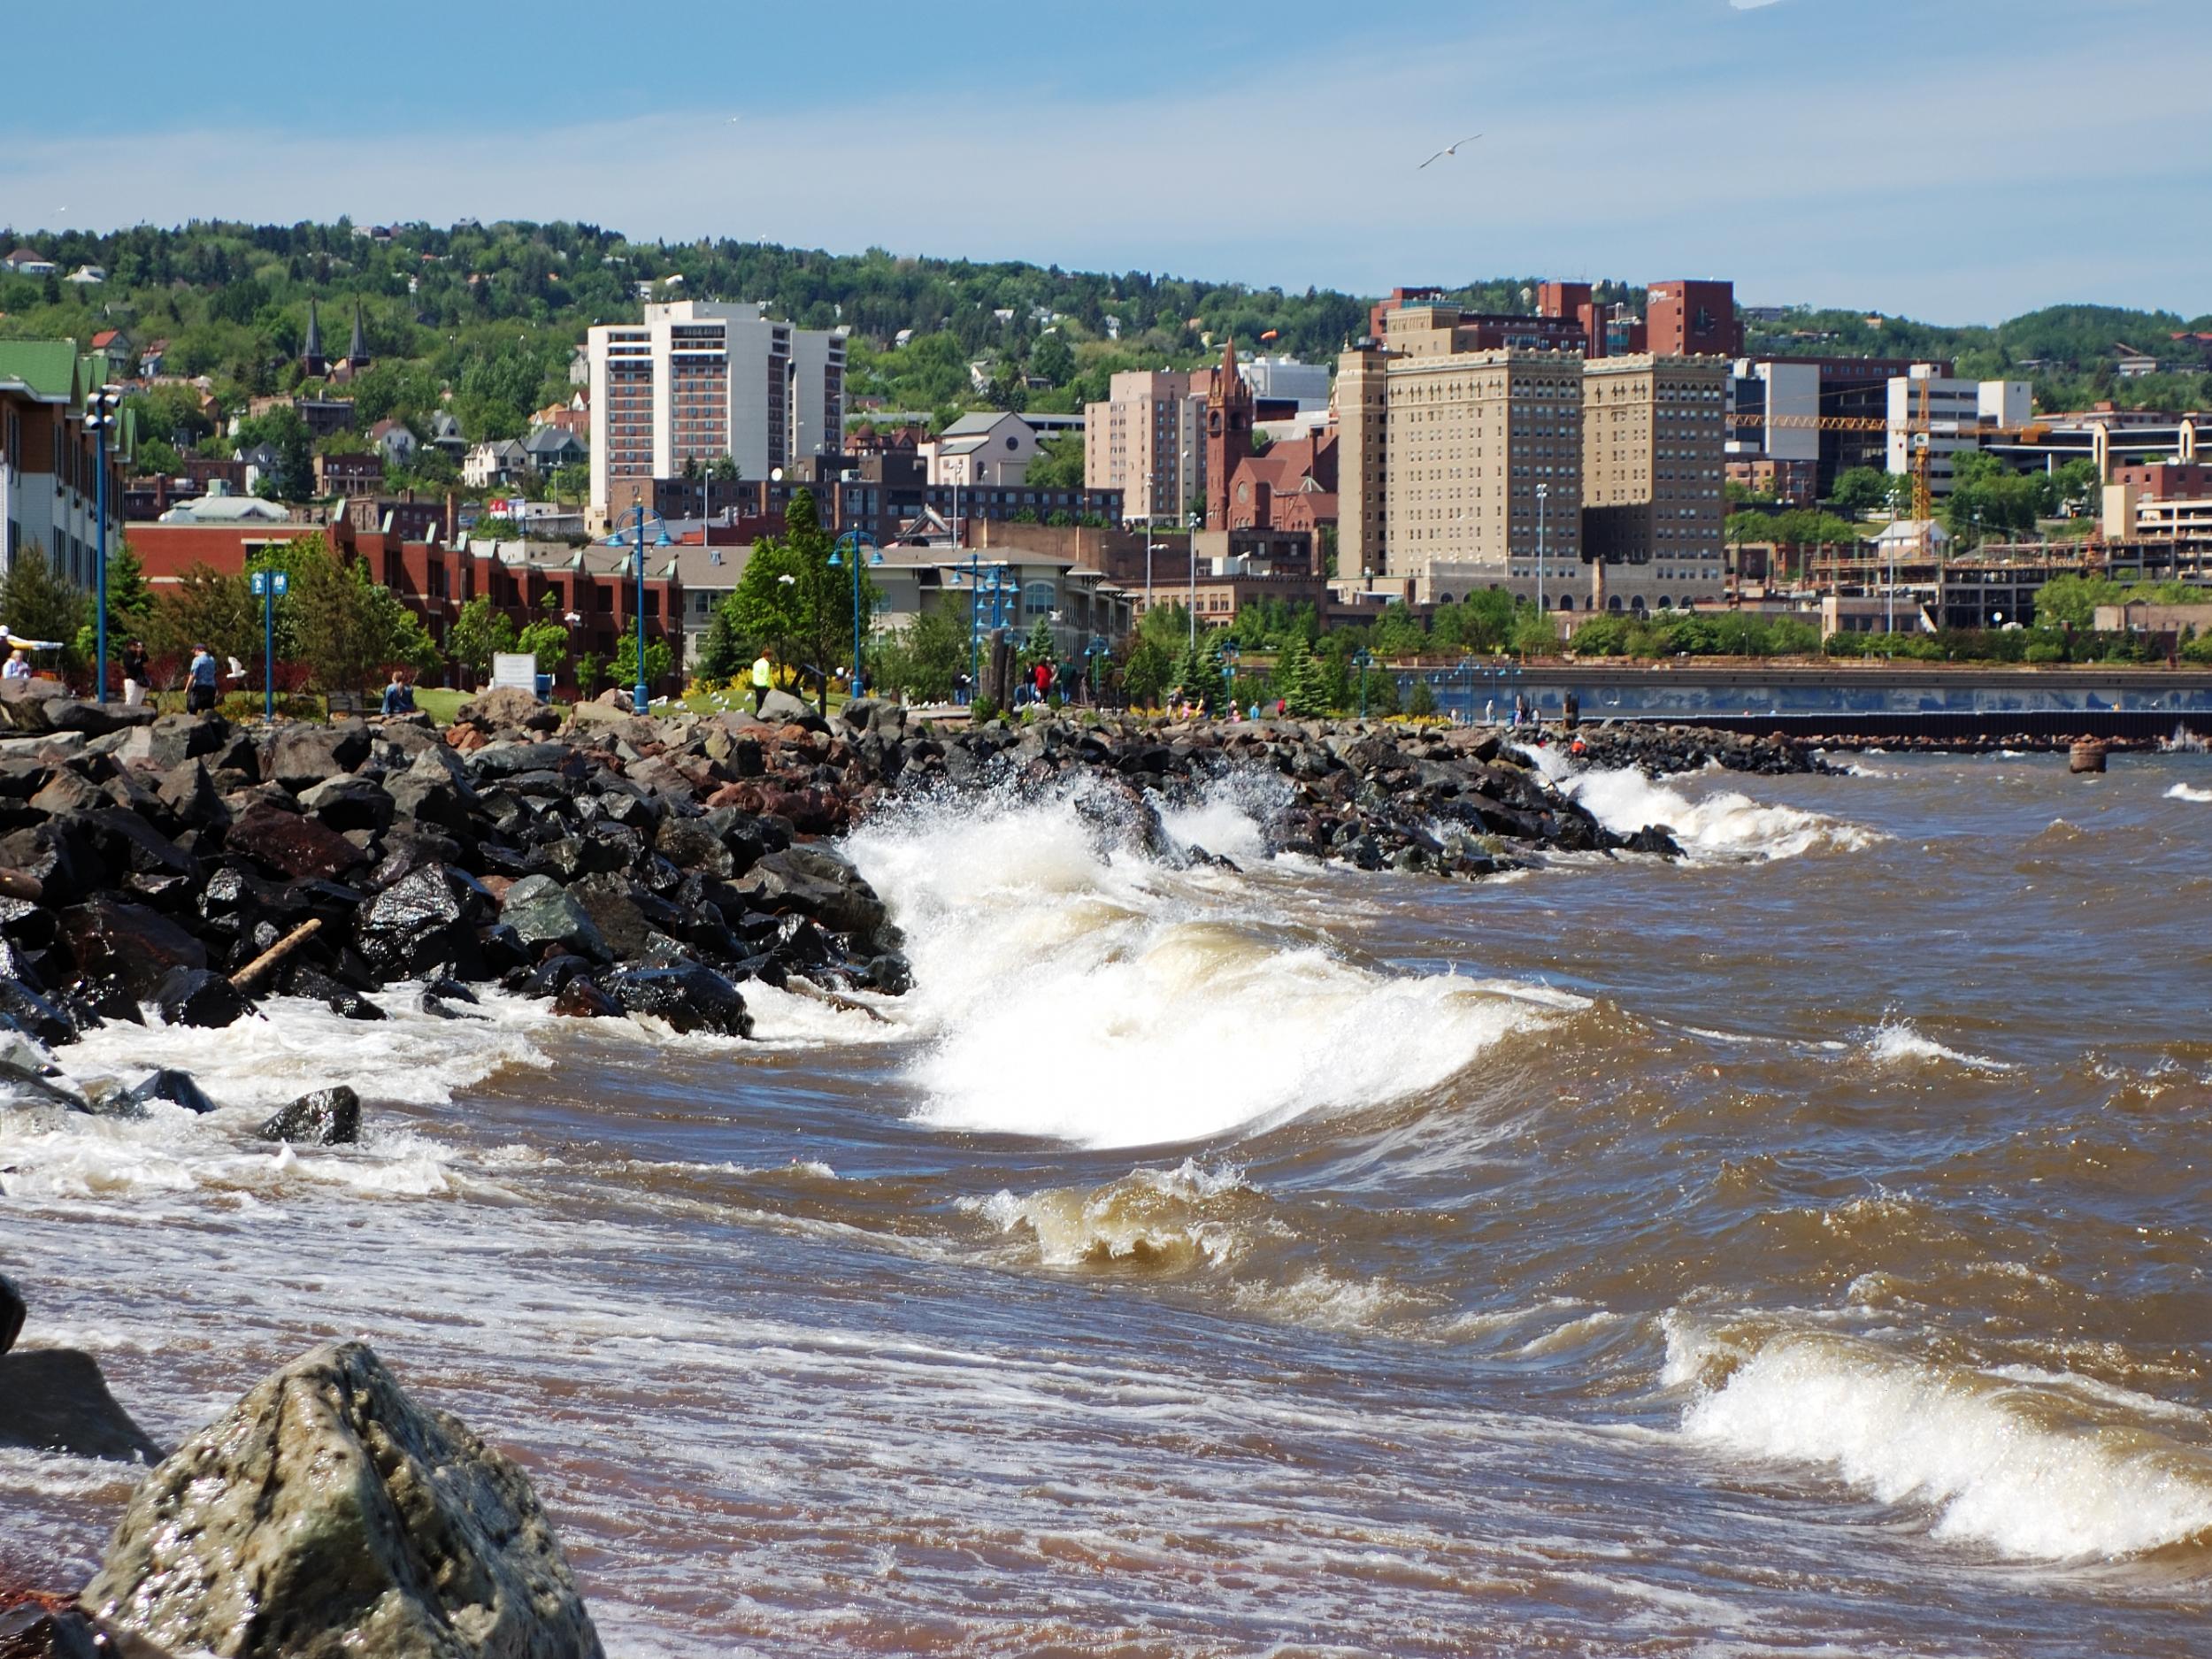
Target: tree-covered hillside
(483, 319)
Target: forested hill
(491, 313)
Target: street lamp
(836, 562)
(642, 693)
(1362, 659)
(1543, 492)
(101, 415)
(1229, 675)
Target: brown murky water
(1801, 1249)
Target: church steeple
(357, 353)
(1229, 414)
(311, 359)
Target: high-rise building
(1653, 440)
(1470, 440)
(698, 381)
(1148, 440)
(1926, 407)
(1692, 320)
(1361, 413)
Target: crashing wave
(1724, 824)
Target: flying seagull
(1450, 150)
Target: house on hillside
(87, 275)
(395, 442)
(550, 448)
(495, 465)
(445, 434)
(29, 262)
(114, 347)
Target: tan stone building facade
(1361, 413)
(1655, 437)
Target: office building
(1148, 440)
(1654, 439)
(50, 458)
(1929, 409)
(696, 381)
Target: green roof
(48, 369)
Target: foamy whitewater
(1163, 1006)
(1796, 1248)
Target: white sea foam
(2186, 792)
(1899, 1042)
(1109, 1002)
(1724, 824)
(2023, 1467)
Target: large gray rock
(301, 756)
(329, 1118)
(780, 707)
(55, 1400)
(328, 1514)
(543, 913)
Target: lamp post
(1229, 675)
(1151, 504)
(836, 560)
(1543, 492)
(102, 417)
(1363, 657)
(269, 586)
(641, 693)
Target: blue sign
(267, 582)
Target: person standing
(763, 677)
(19, 667)
(199, 690)
(136, 676)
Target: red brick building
(1693, 319)
(593, 585)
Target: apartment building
(1483, 460)
(1654, 438)
(697, 380)
(1926, 406)
(1148, 440)
(1362, 414)
(49, 459)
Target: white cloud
(1898, 185)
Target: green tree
(923, 658)
(349, 629)
(1861, 490)
(660, 660)
(722, 655)
(207, 607)
(547, 639)
(2072, 601)
(792, 599)
(1146, 676)
(38, 602)
(1421, 701)
(478, 634)
(1058, 464)
(1299, 680)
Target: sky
(1955, 160)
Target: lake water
(1800, 1249)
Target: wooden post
(275, 954)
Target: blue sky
(1960, 160)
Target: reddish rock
(294, 846)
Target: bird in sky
(1450, 150)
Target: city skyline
(1794, 144)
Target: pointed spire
(358, 352)
(314, 347)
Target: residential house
(29, 262)
(114, 347)
(551, 448)
(350, 474)
(325, 416)
(992, 447)
(494, 465)
(445, 434)
(87, 275)
(150, 361)
(265, 460)
(395, 442)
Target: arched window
(1665, 604)
(1636, 602)
(1613, 603)
(1566, 602)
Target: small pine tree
(722, 654)
(1421, 701)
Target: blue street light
(642, 693)
(856, 537)
(269, 586)
(999, 586)
(1229, 675)
(1362, 659)
(101, 416)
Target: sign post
(268, 585)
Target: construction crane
(1920, 429)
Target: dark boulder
(691, 843)
(126, 947)
(414, 927)
(60, 856)
(612, 905)
(55, 1400)
(300, 756)
(12, 1313)
(329, 1514)
(195, 996)
(292, 845)
(327, 1117)
(170, 739)
(179, 1088)
(341, 1000)
(69, 791)
(190, 797)
(582, 999)
(689, 998)
(543, 913)
(35, 1015)
(348, 803)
